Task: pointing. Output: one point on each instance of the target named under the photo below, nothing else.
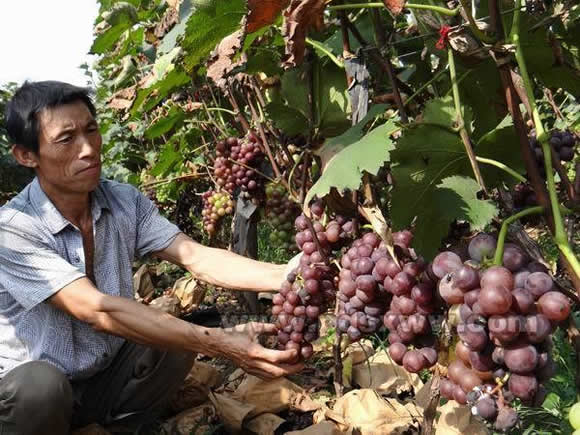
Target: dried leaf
(298, 18)
(231, 411)
(221, 61)
(359, 351)
(368, 413)
(457, 419)
(92, 429)
(168, 304)
(196, 386)
(324, 428)
(193, 421)
(395, 6)
(169, 19)
(381, 373)
(273, 396)
(263, 13)
(123, 99)
(189, 292)
(264, 424)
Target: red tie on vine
(444, 32)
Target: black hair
(21, 113)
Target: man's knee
(35, 391)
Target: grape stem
(559, 234)
(461, 124)
(503, 167)
(437, 9)
(498, 257)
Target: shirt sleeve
(30, 270)
(154, 232)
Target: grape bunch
(563, 143)
(236, 162)
(374, 289)
(215, 206)
(311, 288)
(281, 213)
(506, 316)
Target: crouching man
(75, 348)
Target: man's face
(69, 152)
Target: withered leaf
(221, 61)
(300, 16)
(395, 6)
(263, 13)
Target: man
(75, 347)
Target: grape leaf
(169, 41)
(426, 155)
(286, 118)
(207, 27)
(149, 97)
(345, 169)
(109, 38)
(165, 123)
(455, 198)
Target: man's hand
(240, 344)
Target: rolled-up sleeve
(30, 270)
(154, 232)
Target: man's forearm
(223, 268)
(152, 327)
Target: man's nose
(87, 148)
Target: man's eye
(93, 128)
(65, 139)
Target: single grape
(574, 416)
(482, 246)
(521, 358)
(538, 328)
(445, 263)
(514, 258)
(397, 351)
(486, 408)
(506, 419)
(555, 306)
(538, 283)
(473, 335)
(414, 361)
(523, 386)
(495, 299)
(522, 301)
(497, 276)
(448, 290)
(466, 278)
(430, 355)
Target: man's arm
(223, 268)
(149, 326)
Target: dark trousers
(37, 398)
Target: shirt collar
(55, 221)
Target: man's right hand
(240, 344)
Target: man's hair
(21, 113)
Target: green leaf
(334, 145)
(163, 65)
(500, 144)
(165, 123)
(552, 401)
(109, 38)
(149, 97)
(425, 156)
(345, 169)
(333, 100)
(168, 158)
(287, 119)
(206, 28)
(455, 198)
(294, 89)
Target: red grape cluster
(236, 162)
(311, 288)
(374, 289)
(562, 142)
(215, 206)
(281, 213)
(507, 314)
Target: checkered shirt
(41, 252)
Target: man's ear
(24, 156)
